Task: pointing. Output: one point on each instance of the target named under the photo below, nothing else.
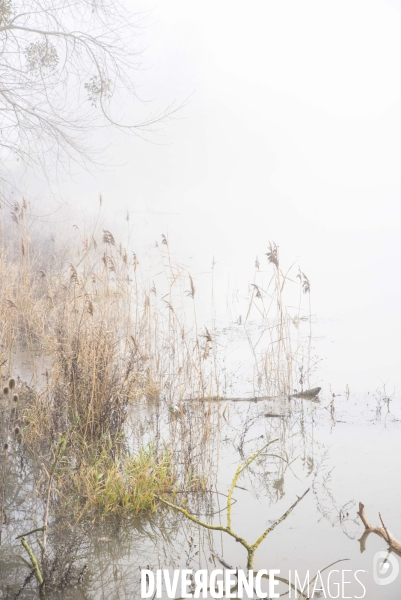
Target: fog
(289, 131)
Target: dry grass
(101, 338)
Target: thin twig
(60, 452)
(29, 532)
(385, 529)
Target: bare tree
(65, 70)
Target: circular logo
(385, 568)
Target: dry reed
(102, 338)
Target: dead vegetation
(117, 374)
(382, 531)
(100, 337)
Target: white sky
(292, 133)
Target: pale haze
(290, 132)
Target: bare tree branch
(66, 70)
(250, 548)
(382, 531)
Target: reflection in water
(319, 445)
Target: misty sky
(291, 133)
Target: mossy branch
(250, 548)
(280, 520)
(34, 562)
(238, 472)
(206, 525)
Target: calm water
(346, 452)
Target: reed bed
(117, 380)
(121, 360)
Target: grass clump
(104, 485)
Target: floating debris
(312, 393)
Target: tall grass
(103, 338)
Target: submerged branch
(250, 548)
(382, 531)
(187, 514)
(280, 520)
(238, 472)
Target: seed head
(6, 446)
(15, 397)
(5, 391)
(11, 384)
(17, 431)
